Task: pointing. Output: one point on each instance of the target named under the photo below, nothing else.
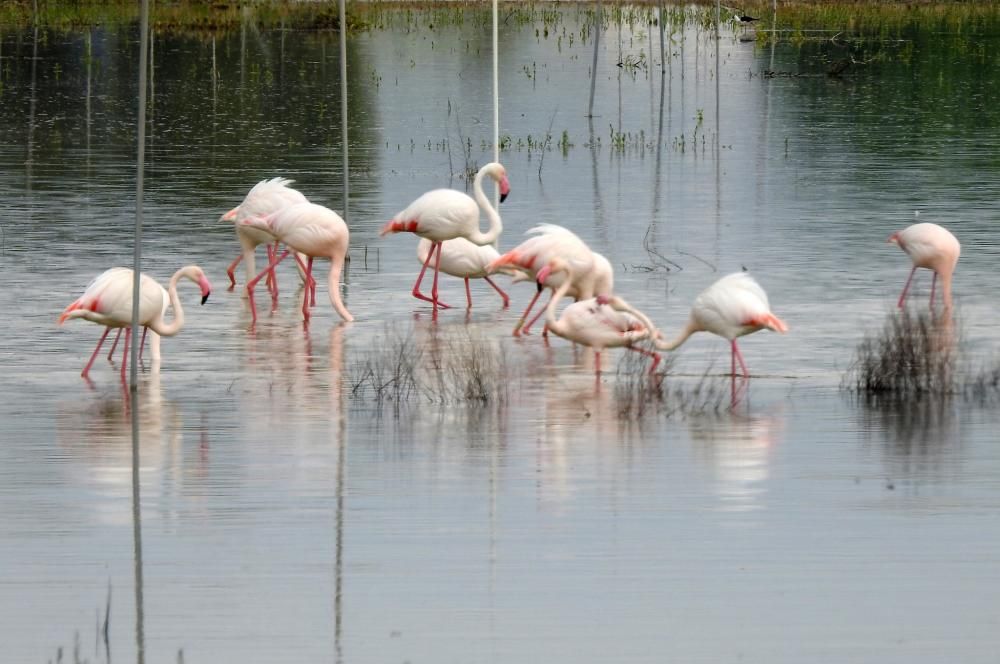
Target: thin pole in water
(496, 97)
(593, 68)
(140, 163)
(343, 103)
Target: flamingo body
(465, 260)
(313, 231)
(932, 247)
(732, 307)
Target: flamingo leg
(648, 353)
(597, 362)
(738, 356)
(93, 356)
(534, 320)
(902, 297)
(128, 336)
(933, 285)
(434, 288)
(524, 316)
(269, 281)
(506, 299)
(253, 282)
(231, 271)
(468, 293)
(143, 344)
(115, 344)
(308, 290)
(310, 283)
(420, 277)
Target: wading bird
(932, 247)
(313, 231)
(445, 214)
(606, 322)
(265, 197)
(465, 260)
(108, 301)
(732, 307)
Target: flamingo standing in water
(933, 247)
(445, 214)
(265, 197)
(591, 272)
(602, 322)
(465, 260)
(108, 301)
(732, 307)
(313, 231)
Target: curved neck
(159, 325)
(688, 330)
(553, 324)
(490, 236)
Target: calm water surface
(284, 516)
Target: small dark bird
(747, 19)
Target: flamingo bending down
(311, 230)
(592, 273)
(465, 260)
(445, 214)
(933, 247)
(108, 301)
(265, 197)
(596, 322)
(732, 307)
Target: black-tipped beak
(204, 298)
(503, 197)
(540, 286)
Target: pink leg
(269, 281)
(506, 300)
(933, 285)
(142, 345)
(527, 328)
(128, 335)
(231, 271)
(310, 285)
(902, 297)
(597, 362)
(115, 344)
(420, 277)
(468, 293)
(308, 290)
(434, 288)
(93, 357)
(649, 353)
(738, 356)
(253, 282)
(524, 316)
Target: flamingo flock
(448, 225)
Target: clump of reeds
(462, 367)
(639, 393)
(913, 354)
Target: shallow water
(286, 516)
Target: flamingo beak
(504, 188)
(206, 289)
(543, 274)
(231, 215)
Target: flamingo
(602, 322)
(592, 272)
(108, 301)
(265, 197)
(932, 247)
(445, 214)
(732, 307)
(314, 231)
(465, 260)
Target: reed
(638, 394)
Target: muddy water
(286, 516)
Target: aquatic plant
(638, 393)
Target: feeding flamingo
(265, 197)
(314, 231)
(592, 272)
(933, 247)
(445, 214)
(108, 301)
(600, 323)
(732, 307)
(465, 260)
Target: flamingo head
(197, 275)
(499, 174)
(554, 265)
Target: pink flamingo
(592, 273)
(313, 231)
(465, 260)
(445, 214)
(600, 323)
(108, 301)
(265, 197)
(732, 307)
(933, 247)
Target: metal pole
(140, 162)
(496, 98)
(593, 67)
(343, 105)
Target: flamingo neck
(496, 225)
(688, 330)
(555, 325)
(159, 325)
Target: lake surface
(287, 514)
